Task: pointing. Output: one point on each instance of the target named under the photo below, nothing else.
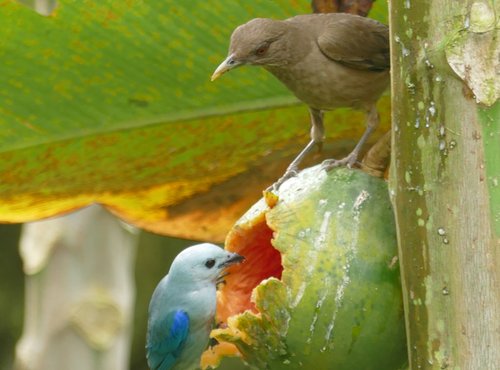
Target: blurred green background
(11, 293)
(154, 255)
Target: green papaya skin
(321, 287)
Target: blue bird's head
(202, 262)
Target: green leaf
(111, 102)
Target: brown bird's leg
(372, 120)
(317, 136)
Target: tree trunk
(445, 176)
(79, 292)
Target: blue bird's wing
(163, 351)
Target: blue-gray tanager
(182, 309)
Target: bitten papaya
(320, 287)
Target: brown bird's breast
(330, 85)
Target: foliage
(111, 102)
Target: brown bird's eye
(261, 50)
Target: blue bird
(182, 308)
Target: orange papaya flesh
(262, 261)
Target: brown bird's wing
(356, 42)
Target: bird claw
(287, 175)
(348, 161)
(212, 342)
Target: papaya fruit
(320, 287)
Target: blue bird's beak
(232, 259)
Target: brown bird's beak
(225, 66)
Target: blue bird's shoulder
(180, 325)
(163, 348)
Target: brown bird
(327, 60)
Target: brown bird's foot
(293, 168)
(348, 161)
(290, 172)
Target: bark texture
(445, 174)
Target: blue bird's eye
(210, 263)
